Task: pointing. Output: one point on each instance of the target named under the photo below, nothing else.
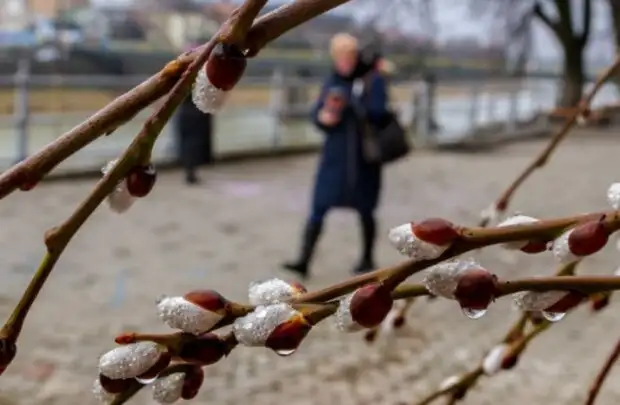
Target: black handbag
(385, 141)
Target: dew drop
(285, 353)
(553, 316)
(146, 381)
(473, 313)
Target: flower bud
(220, 74)
(273, 291)
(287, 336)
(583, 240)
(425, 240)
(162, 363)
(131, 360)
(114, 386)
(542, 301)
(569, 301)
(398, 322)
(277, 326)
(194, 377)
(196, 312)
(100, 393)
(613, 196)
(205, 349)
(525, 246)
(8, 350)
(370, 304)
(343, 319)
(516, 220)
(119, 200)
(492, 362)
(475, 290)
(588, 238)
(599, 301)
(443, 278)
(168, 389)
(140, 180)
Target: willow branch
(57, 239)
(127, 106)
(541, 159)
(602, 375)
(470, 239)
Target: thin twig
(602, 375)
(541, 159)
(127, 106)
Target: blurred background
(478, 84)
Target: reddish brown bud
(28, 181)
(208, 299)
(140, 180)
(298, 286)
(599, 301)
(8, 349)
(437, 231)
(225, 66)
(205, 349)
(534, 247)
(194, 378)
(566, 303)
(125, 338)
(287, 336)
(370, 305)
(588, 238)
(158, 367)
(510, 360)
(399, 322)
(114, 386)
(476, 289)
(370, 335)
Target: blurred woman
(345, 179)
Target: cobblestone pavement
(241, 223)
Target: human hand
(328, 117)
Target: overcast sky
(453, 19)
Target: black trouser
(194, 135)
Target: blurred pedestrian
(194, 130)
(345, 178)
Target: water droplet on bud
(473, 313)
(285, 353)
(553, 316)
(146, 381)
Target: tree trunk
(573, 77)
(614, 6)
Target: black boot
(310, 238)
(369, 233)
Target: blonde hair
(342, 43)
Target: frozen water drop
(285, 353)
(473, 313)
(146, 381)
(553, 316)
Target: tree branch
(125, 107)
(587, 22)
(602, 375)
(554, 26)
(541, 159)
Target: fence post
(276, 106)
(21, 111)
(474, 105)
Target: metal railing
(35, 110)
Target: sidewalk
(246, 219)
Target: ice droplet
(285, 353)
(553, 316)
(146, 381)
(473, 313)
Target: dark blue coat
(344, 178)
